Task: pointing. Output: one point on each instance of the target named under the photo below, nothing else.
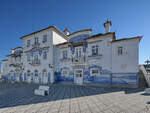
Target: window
(120, 50)
(17, 74)
(28, 73)
(36, 56)
(45, 55)
(28, 57)
(65, 54)
(94, 71)
(44, 38)
(36, 40)
(44, 73)
(78, 73)
(65, 72)
(28, 43)
(36, 72)
(78, 52)
(95, 50)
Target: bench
(39, 92)
(43, 90)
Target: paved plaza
(66, 98)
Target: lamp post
(147, 63)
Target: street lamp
(147, 63)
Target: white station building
(50, 56)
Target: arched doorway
(44, 76)
(28, 76)
(17, 76)
(36, 78)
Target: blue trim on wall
(97, 79)
(32, 77)
(25, 77)
(48, 77)
(72, 50)
(125, 78)
(40, 79)
(60, 77)
(92, 56)
(85, 46)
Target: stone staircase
(145, 72)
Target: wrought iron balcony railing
(81, 59)
(35, 62)
(16, 64)
(95, 56)
(36, 45)
(65, 59)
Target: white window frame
(44, 73)
(64, 54)
(36, 56)
(120, 50)
(75, 71)
(67, 72)
(78, 52)
(28, 57)
(45, 55)
(28, 73)
(91, 73)
(36, 73)
(28, 43)
(36, 40)
(95, 50)
(44, 38)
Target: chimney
(12, 50)
(107, 25)
(66, 31)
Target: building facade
(50, 56)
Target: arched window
(28, 73)
(65, 72)
(17, 74)
(44, 73)
(12, 73)
(36, 72)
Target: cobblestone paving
(19, 98)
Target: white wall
(57, 38)
(44, 62)
(128, 61)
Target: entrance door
(36, 76)
(79, 76)
(17, 76)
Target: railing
(78, 59)
(36, 45)
(16, 64)
(35, 62)
(95, 56)
(65, 59)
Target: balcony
(16, 64)
(35, 62)
(99, 56)
(65, 59)
(36, 45)
(81, 59)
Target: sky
(129, 18)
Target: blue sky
(19, 17)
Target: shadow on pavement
(17, 94)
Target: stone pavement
(19, 98)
